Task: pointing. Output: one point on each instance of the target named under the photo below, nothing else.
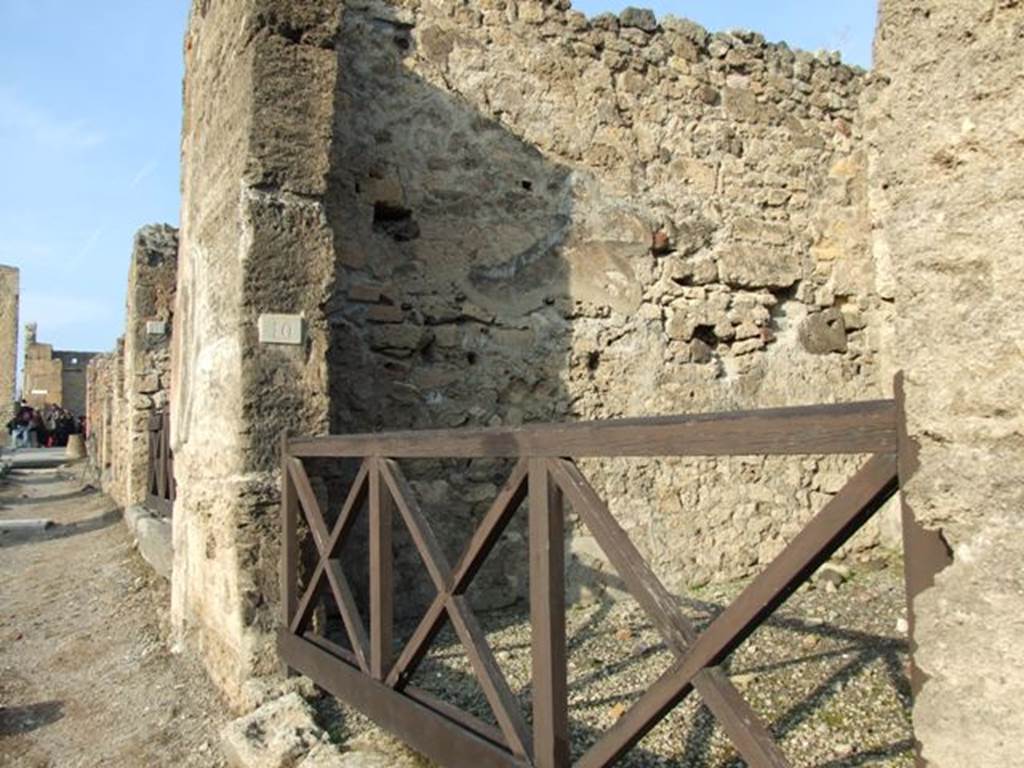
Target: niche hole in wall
(706, 333)
(395, 221)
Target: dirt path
(85, 677)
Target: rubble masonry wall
(129, 385)
(501, 214)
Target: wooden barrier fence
(375, 680)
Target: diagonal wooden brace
(738, 719)
(479, 547)
(481, 657)
(854, 505)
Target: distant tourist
(21, 426)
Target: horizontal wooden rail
(862, 427)
(423, 728)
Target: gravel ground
(85, 676)
(827, 673)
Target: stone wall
(108, 422)
(503, 212)
(498, 214)
(947, 139)
(100, 395)
(42, 382)
(254, 240)
(9, 298)
(149, 317)
(129, 385)
(56, 377)
(552, 218)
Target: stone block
(681, 325)
(702, 176)
(385, 313)
(601, 274)
(823, 332)
(368, 293)
(638, 18)
(148, 383)
(133, 515)
(154, 539)
(277, 735)
(741, 104)
(756, 266)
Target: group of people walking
(46, 427)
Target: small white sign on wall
(156, 327)
(281, 329)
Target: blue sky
(90, 116)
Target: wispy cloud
(87, 248)
(67, 255)
(21, 118)
(144, 173)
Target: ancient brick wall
(502, 212)
(149, 316)
(56, 377)
(95, 389)
(544, 217)
(129, 385)
(9, 300)
(497, 214)
(946, 127)
(100, 395)
(113, 423)
(254, 239)
(42, 382)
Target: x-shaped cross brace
(697, 658)
(451, 585)
(328, 565)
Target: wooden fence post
(289, 539)
(381, 574)
(547, 620)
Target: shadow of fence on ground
(859, 651)
(15, 721)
